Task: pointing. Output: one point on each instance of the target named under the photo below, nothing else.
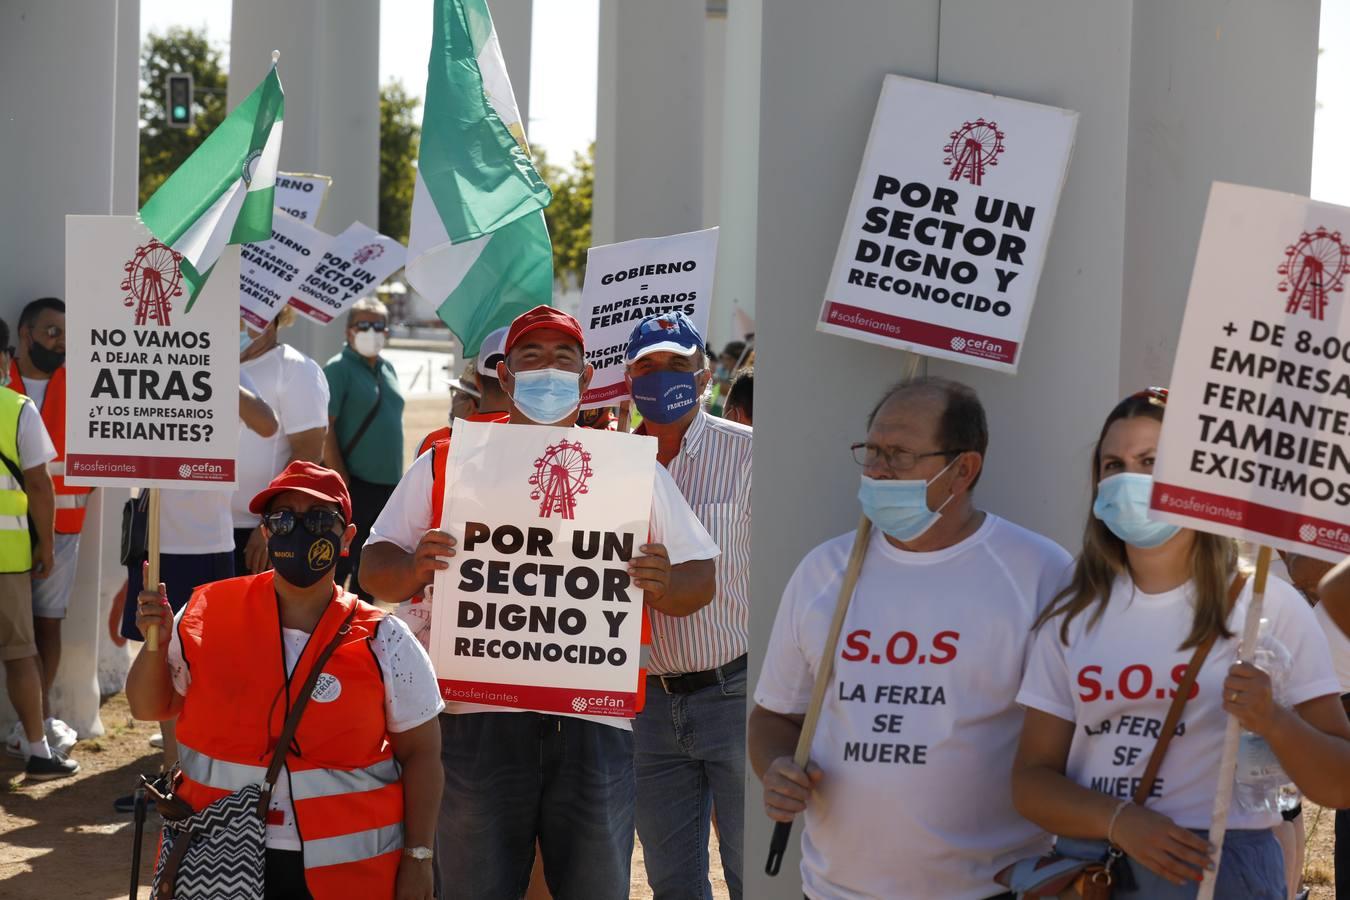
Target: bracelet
(1115, 814)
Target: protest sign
(537, 610)
(1256, 442)
(627, 282)
(949, 222)
(270, 271)
(301, 196)
(152, 390)
(352, 265)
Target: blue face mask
(900, 508)
(1122, 505)
(245, 340)
(546, 395)
(663, 396)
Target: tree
(400, 134)
(569, 215)
(163, 149)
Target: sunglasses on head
(317, 520)
(370, 326)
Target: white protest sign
(353, 264)
(1256, 441)
(152, 390)
(627, 282)
(300, 195)
(950, 218)
(537, 610)
(270, 271)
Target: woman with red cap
(292, 691)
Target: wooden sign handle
(152, 569)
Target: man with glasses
(919, 724)
(38, 370)
(365, 426)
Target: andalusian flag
(478, 244)
(222, 193)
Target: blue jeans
(1251, 868)
(690, 760)
(512, 779)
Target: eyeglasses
(370, 326)
(316, 519)
(895, 459)
(1155, 395)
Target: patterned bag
(219, 853)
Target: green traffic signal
(180, 112)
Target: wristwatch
(420, 853)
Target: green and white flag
(222, 193)
(478, 244)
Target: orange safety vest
(345, 784)
(443, 433)
(70, 501)
(440, 455)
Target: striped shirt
(712, 470)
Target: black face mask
(46, 360)
(301, 558)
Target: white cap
(459, 384)
(492, 351)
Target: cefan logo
(958, 344)
(579, 704)
(188, 470)
(1335, 537)
(584, 704)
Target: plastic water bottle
(1260, 777)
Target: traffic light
(178, 101)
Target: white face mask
(368, 343)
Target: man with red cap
(516, 777)
(353, 814)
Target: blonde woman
(1108, 656)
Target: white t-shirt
(1338, 644)
(919, 725)
(1113, 680)
(294, 386)
(411, 697)
(35, 445)
(408, 515)
(36, 388)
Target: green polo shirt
(378, 457)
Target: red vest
(345, 784)
(440, 455)
(443, 433)
(70, 501)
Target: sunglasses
(370, 326)
(317, 520)
(1155, 395)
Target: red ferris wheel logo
(1313, 268)
(973, 147)
(367, 253)
(153, 277)
(560, 475)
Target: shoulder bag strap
(370, 417)
(1169, 728)
(293, 720)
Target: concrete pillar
(514, 21)
(738, 195)
(1158, 89)
(69, 79)
(330, 72)
(649, 119)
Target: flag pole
(782, 830)
(624, 417)
(1228, 761)
(152, 567)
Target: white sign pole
(1223, 798)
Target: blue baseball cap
(671, 332)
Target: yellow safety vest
(16, 547)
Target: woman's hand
(152, 608)
(1161, 845)
(414, 880)
(1247, 696)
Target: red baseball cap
(543, 317)
(307, 478)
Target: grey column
(330, 72)
(69, 80)
(1170, 100)
(514, 21)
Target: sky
(562, 110)
(563, 71)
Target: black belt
(697, 681)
